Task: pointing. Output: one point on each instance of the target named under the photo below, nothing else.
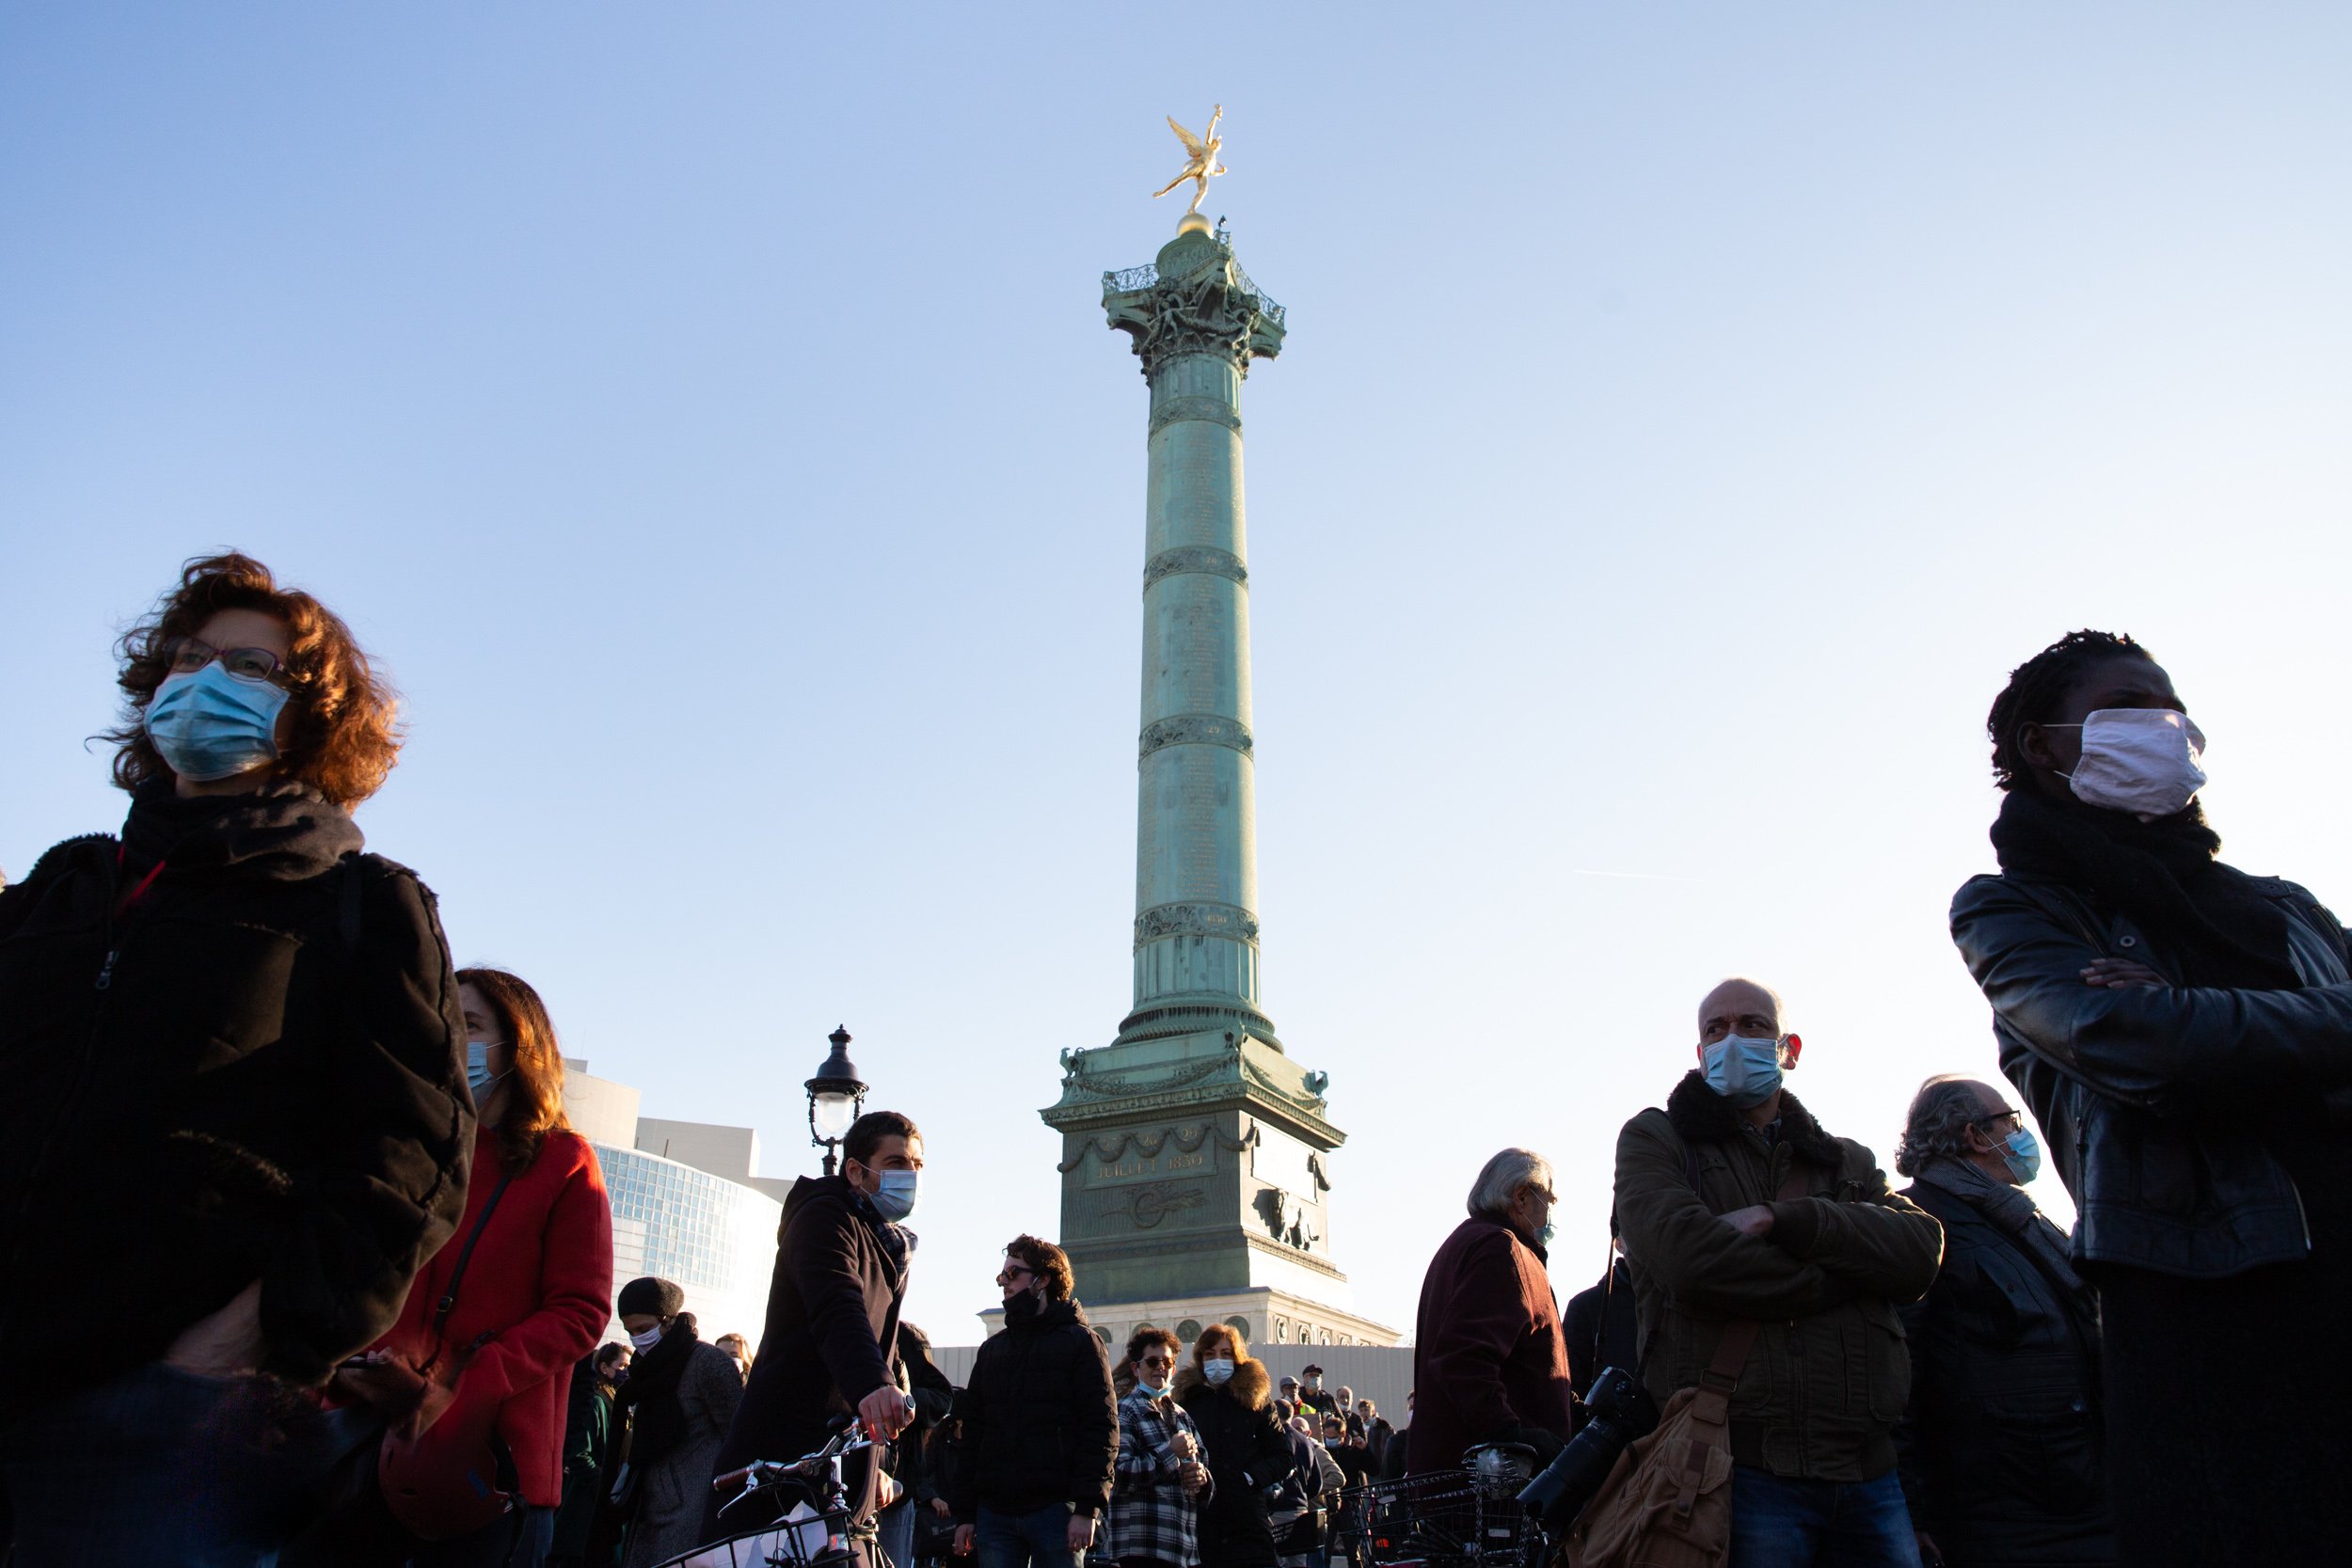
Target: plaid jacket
(1151, 1518)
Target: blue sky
(1689, 416)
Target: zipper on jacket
(106, 969)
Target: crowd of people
(305, 1265)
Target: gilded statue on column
(1203, 166)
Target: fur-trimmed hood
(1700, 1116)
(1251, 1384)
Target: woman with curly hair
(237, 1122)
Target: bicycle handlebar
(848, 1439)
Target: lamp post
(835, 1095)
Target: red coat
(1487, 1351)
(540, 1281)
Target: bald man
(1742, 1220)
(2002, 1455)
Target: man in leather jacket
(2182, 1031)
(2000, 1450)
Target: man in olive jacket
(1709, 1241)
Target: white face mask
(1218, 1369)
(2142, 760)
(647, 1340)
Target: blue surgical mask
(899, 1192)
(213, 725)
(1744, 1071)
(1543, 1237)
(478, 1077)
(1218, 1370)
(2021, 1152)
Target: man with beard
(2182, 1031)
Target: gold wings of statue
(1202, 166)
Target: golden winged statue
(1203, 167)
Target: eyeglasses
(1011, 1272)
(1160, 1360)
(185, 656)
(2001, 1115)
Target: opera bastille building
(684, 1203)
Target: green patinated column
(1197, 322)
(1194, 1169)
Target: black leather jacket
(2155, 1098)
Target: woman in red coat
(535, 1298)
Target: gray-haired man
(2001, 1451)
(1488, 1362)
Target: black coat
(1041, 1424)
(2000, 1450)
(833, 1315)
(254, 1071)
(1601, 1327)
(1246, 1450)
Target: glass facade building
(716, 1238)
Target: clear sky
(1689, 414)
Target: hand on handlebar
(886, 1412)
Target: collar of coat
(1250, 1383)
(1701, 1116)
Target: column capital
(1193, 299)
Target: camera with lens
(1616, 1411)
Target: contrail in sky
(1634, 876)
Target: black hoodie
(235, 1052)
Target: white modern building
(686, 1205)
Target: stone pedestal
(1195, 1178)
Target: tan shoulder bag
(1666, 1502)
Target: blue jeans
(1040, 1539)
(1788, 1522)
(167, 1469)
(894, 1527)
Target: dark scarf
(652, 1392)
(1701, 1116)
(284, 832)
(2013, 1214)
(2213, 921)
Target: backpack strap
(1712, 1407)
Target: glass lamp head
(830, 1112)
(834, 1094)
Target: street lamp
(835, 1097)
